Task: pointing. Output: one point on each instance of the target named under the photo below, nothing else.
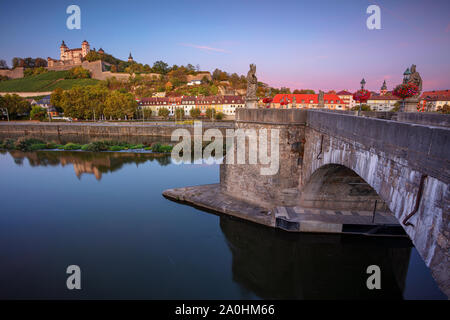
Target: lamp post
(363, 83)
(406, 77)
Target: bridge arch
(410, 193)
(337, 187)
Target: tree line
(28, 62)
(94, 102)
(15, 105)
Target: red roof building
(331, 101)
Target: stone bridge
(340, 161)
(343, 162)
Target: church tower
(383, 89)
(62, 50)
(85, 48)
(130, 58)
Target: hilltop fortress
(70, 56)
(100, 70)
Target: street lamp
(363, 83)
(406, 75)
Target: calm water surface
(105, 213)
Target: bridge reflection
(274, 264)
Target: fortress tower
(85, 48)
(62, 50)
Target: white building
(347, 97)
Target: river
(105, 213)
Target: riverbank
(85, 132)
(31, 144)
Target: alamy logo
(74, 20)
(374, 20)
(259, 151)
(374, 280)
(74, 280)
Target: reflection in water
(88, 162)
(279, 265)
(133, 243)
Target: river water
(105, 213)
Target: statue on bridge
(321, 99)
(416, 79)
(412, 77)
(252, 86)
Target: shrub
(25, 144)
(72, 146)
(8, 144)
(163, 112)
(95, 146)
(78, 73)
(195, 113)
(51, 145)
(37, 146)
(157, 147)
(219, 116)
(115, 148)
(137, 146)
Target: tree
(160, 67)
(78, 73)
(445, 109)
(397, 106)
(179, 113)
(16, 106)
(364, 107)
(219, 116)
(120, 105)
(38, 113)
(209, 113)
(307, 91)
(195, 113)
(3, 64)
(163, 112)
(56, 97)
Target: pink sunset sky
(323, 44)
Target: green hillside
(43, 82)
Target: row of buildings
(384, 100)
(225, 104)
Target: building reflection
(275, 264)
(96, 163)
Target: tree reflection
(95, 163)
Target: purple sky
(298, 44)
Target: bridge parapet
(426, 148)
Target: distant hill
(43, 82)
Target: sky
(320, 44)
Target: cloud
(206, 48)
(448, 28)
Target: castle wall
(13, 74)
